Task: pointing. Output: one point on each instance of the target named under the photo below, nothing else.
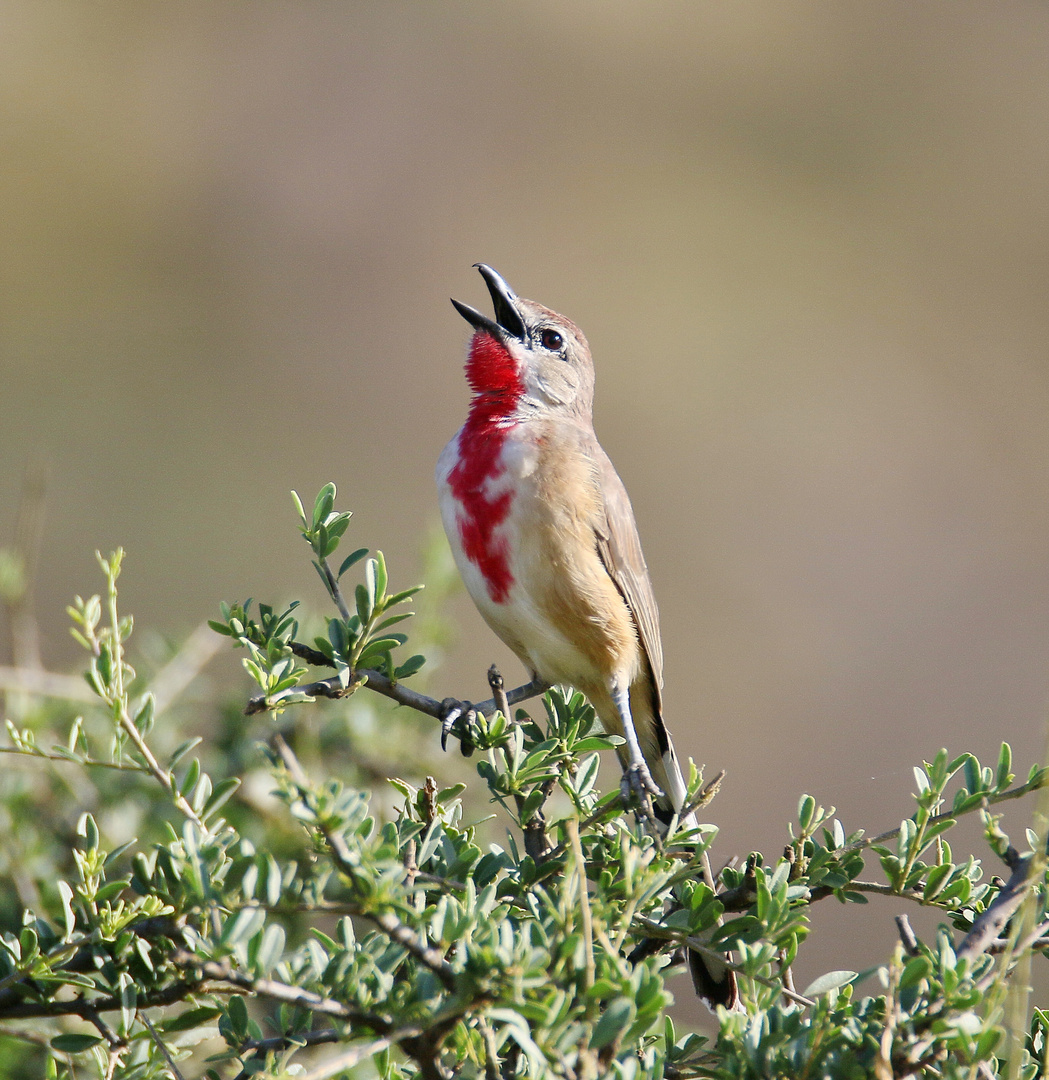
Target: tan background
(808, 243)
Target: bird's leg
(452, 709)
(637, 784)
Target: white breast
(517, 620)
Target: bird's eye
(551, 339)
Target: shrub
(163, 914)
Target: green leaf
(393, 620)
(27, 943)
(87, 828)
(405, 594)
(322, 544)
(385, 644)
(223, 790)
(110, 890)
(973, 780)
(938, 876)
(274, 880)
(191, 1018)
(825, 983)
(409, 667)
(323, 504)
(182, 751)
(596, 742)
(339, 637)
(915, 970)
(270, 950)
(363, 599)
(66, 893)
(350, 560)
(245, 924)
(371, 583)
(238, 1017)
(617, 1017)
(128, 1000)
(806, 812)
(535, 798)
(75, 1044)
(935, 830)
(201, 793)
(145, 716)
(191, 777)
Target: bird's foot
(454, 711)
(637, 788)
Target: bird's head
(527, 352)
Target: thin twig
(286, 1042)
(498, 688)
(1037, 939)
(160, 774)
(705, 796)
(989, 925)
(491, 1051)
(910, 942)
(388, 923)
(160, 1046)
(112, 1038)
(223, 971)
(572, 827)
(383, 684)
(411, 867)
(120, 766)
(88, 1007)
(612, 807)
(333, 588)
(358, 1053)
(34, 1037)
(1017, 792)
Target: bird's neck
(495, 378)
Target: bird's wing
(620, 549)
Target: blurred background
(809, 245)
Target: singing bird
(544, 537)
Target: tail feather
(713, 980)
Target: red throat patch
(494, 377)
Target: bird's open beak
(507, 321)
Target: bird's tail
(714, 981)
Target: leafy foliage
(196, 905)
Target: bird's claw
(638, 788)
(453, 710)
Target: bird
(543, 534)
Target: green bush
(165, 914)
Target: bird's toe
(638, 788)
(454, 711)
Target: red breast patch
(494, 377)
